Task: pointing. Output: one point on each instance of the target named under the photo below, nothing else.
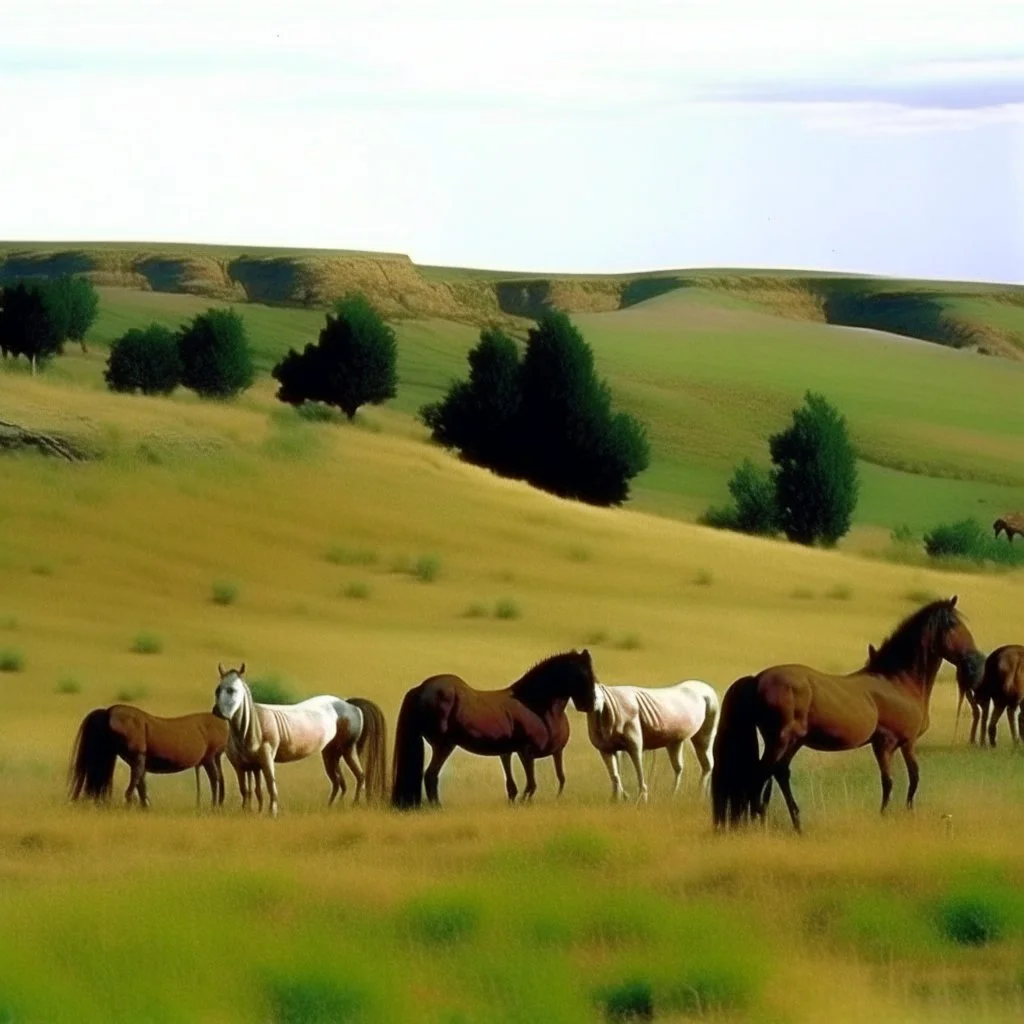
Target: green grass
(343, 554)
(147, 643)
(68, 686)
(427, 568)
(11, 660)
(507, 608)
(271, 689)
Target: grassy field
(570, 911)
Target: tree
(479, 417)
(26, 325)
(73, 303)
(816, 482)
(216, 360)
(352, 364)
(145, 360)
(753, 491)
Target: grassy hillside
(555, 912)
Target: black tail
(93, 757)
(373, 748)
(407, 769)
(734, 774)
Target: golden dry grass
(556, 901)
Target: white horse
(635, 718)
(260, 735)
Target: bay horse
(526, 718)
(1002, 689)
(1010, 524)
(885, 703)
(635, 718)
(146, 743)
(262, 735)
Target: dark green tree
(146, 360)
(353, 363)
(753, 494)
(816, 481)
(216, 360)
(27, 327)
(73, 303)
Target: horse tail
(93, 757)
(372, 748)
(735, 753)
(407, 768)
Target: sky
(557, 136)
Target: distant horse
(261, 735)
(635, 718)
(1002, 689)
(1010, 524)
(792, 706)
(145, 743)
(527, 718)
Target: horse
(262, 735)
(1010, 524)
(526, 718)
(885, 703)
(1002, 689)
(635, 718)
(146, 743)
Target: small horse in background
(1002, 689)
(526, 718)
(792, 706)
(1010, 524)
(635, 718)
(262, 735)
(146, 743)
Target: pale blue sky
(565, 135)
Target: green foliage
(753, 509)
(73, 304)
(147, 643)
(902, 533)
(547, 419)
(68, 686)
(224, 593)
(967, 539)
(506, 608)
(357, 590)
(816, 481)
(216, 359)
(146, 360)
(27, 325)
(442, 920)
(340, 554)
(630, 1000)
(427, 568)
(972, 918)
(271, 689)
(315, 1001)
(11, 660)
(353, 363)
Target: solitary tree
(352, 364)
(816, 482)
(145, 360)
(27, 327)
(216, 360)
(73, 304)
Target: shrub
(703, 578)
(596, 637)
(68, 686)
(902, 534)
(271, 689)
(506, 608)
(753, 492)
(969, 540)
(216, 361)
(317, 412)
(816, 482)
(130, 693)
(147, 643)
(339, 554)
(357, 590)
(11, 660)
(442, 921)
(972, 919)
(145, 360)
(315, 1001)
(840, 592)
(427, 568)
(352, 364)
(224, 593)
(630, 1000)
(719, 517)
(630, 642)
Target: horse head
(957, 646)
(230, 693)
(584, 690)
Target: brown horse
(1002, 689)
(527, 718)
(1010, 524)
(145, 743)
(792, 706)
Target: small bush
(339, 554)
(11, 660)
(630, 1000)
(840, 592)
(703, 578)
(224, 593)
(128, 694)
(427, 568)
(145, 360)
(271, 689)
(442, 921)
(972, 919)
(902, 534)
(68, 686)
(719, 517)
(147, 643)
(357, 590)
(967, 539)
(578, 553)
(42, 569)
(506, 608)
(216, 360)
(315, 1001)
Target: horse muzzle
(217, 711)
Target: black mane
(538, 680)
(911, 642)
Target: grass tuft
(147, 643)
(506, 608)
(11, 660)
(224, 593)
(357, 590)
(340, 554)
(703, 578)
(972, 918)
(840, 592)
(629, 642)
(68, 686)
(475, 610)
(128, 694)
(629, 1000)
(442, 920)
(315, 1001)
(427, 568)
(596, 637)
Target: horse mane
(910, 644)
(537, 679)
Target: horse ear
(241, 669)
(220, 670)
(952, 601)
(585, 654)
(872, 652)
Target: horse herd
(743, 745)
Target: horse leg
(705, 758)
(143, 793)
(1011, 719)
(356, 768)
(634, 748)
(611, 762)
(257, 777)
(559, 770)
(511, 789)
(439, 755)
(975, 718)
(675, 758)
(781, 775)
(883, 744)
(216, 783)
(528, 762)
(243, 785)
(137, 765)
(267, 766)
(332, 766)
(913, 772)
(197, 787)
(997, 713)
(983, 732)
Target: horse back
(1004, 675)
(169, 744)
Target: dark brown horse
(527, 718)
(145, 743)
(1001, 689)
(792, 706)
(1010, 524)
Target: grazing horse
(1002, 689)
(792, 706)
(635, 718)
(262, 735)
(526, 718)
(145, 743)
(1010, 524)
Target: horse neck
(920, 679)
(539, 692)
(249, 730)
